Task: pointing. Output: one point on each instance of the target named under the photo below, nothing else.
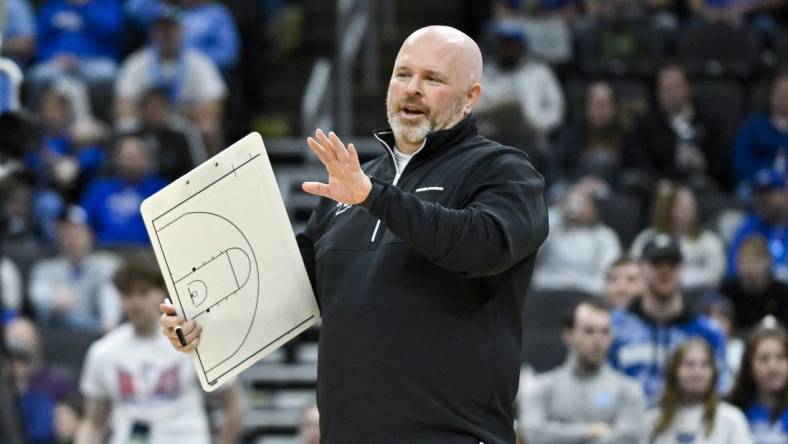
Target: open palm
(347, 183)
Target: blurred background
(644, 116)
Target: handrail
(317, 98)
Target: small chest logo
(341, 208)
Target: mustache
(413, 104)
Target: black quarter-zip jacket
(421, 289)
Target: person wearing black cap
(647, 332)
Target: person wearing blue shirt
(762, 141)
(19, 33)
(650, 329)
(209, 27)
(79, 37)
(761, 389)
(113, 204)
(770, 220)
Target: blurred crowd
(661, 127)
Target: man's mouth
(412, 110)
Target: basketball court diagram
(228, 255)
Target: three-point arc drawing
(209, 280)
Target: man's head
(771, 196)
(778, 96)
(673, 89)
(74, 236)
(166, 31)
(623, 282)
(54, 109)
(155, 107)
(662, 259)
(600, 105)
(142, 289)
(435, 83)
(24, 347)
(588, 332)
(132, 159)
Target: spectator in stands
(79, 38)
(193, 83)
(22, 337)
(19, 32)
(68, 158)
(584, 400)
(769, 219)
(657, 322)
(515, 80)
(10, 288)
(762, 142)
(208, 26)
(579, 249)
(754, 291)
(675, 212)
(113, 203)
(758, 15)
(74, 289)
(136, 383)
(309, 428)
(175, 142)
(594, 144)
(673, 139)
(690, 410)
(761, 390)
(623, 282)
(39, 387)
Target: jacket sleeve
(504, 219)
(306, 242)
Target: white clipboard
(229, 258)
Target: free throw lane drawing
(230, 260)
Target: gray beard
(415, 134)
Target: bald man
(420, 260)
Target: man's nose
(414, 86)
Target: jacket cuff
(374, 194)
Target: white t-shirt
(730, 427)
(147, 381)
(202, 81)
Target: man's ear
(566, 336)
(472, 97)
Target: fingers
(339, 147)
(167, 309)
(316, 188)
(327, 144)
(316, 148)
(353, 155)
(170, 321)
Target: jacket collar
(437, 140)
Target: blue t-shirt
(113, 208)
(93, 29)
(757, 147)
(764, 431)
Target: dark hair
(138, 269)
(745, 390)
(570, 318)
(672, 396)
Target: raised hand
(347, 183)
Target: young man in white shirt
(136, 385)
